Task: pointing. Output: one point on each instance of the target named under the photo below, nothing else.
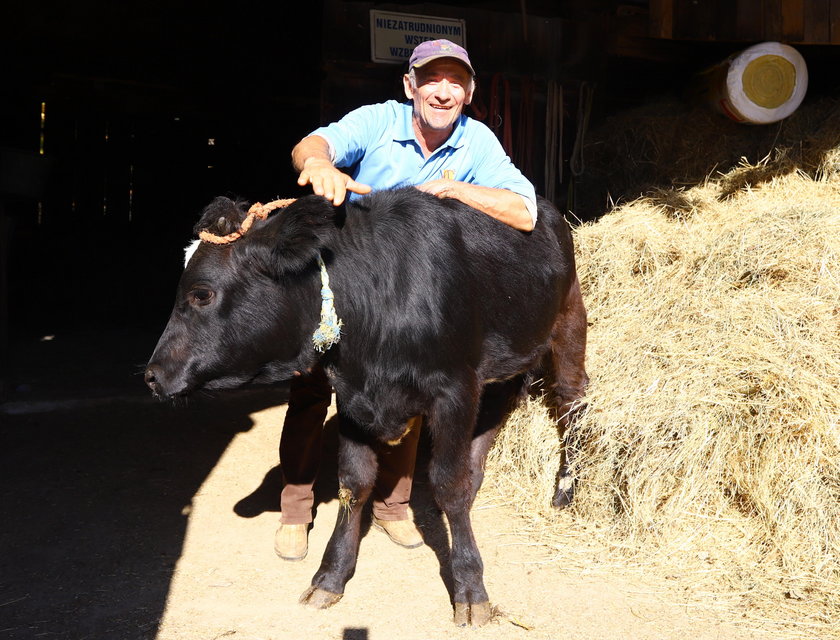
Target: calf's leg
(451, 425)
(357, 468)
(567, 383)
(498, 401)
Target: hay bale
(711, 441)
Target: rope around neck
(329, 326)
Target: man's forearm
(310, 147)
(502, 204)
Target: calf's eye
(200, 297)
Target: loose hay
(710, 447)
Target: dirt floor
(125, 518)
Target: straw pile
(710, 447)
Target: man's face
(444, 86)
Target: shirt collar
(404, 129)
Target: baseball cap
(434, 49)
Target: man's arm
(311, 158)
(502, 204)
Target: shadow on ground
(97, 482)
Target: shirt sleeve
(531, 206)
(349, 137)
(493, 168)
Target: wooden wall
(789, 21)
(547, 45)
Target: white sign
(393, 36)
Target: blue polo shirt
(377, 146)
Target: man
(430, 144)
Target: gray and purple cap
(435, 49)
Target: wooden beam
(773, 19)
(817, 22)
(793, 20)
(749, 19)
(834, 22)
(662, 18)
(726, 21)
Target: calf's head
(245, 311)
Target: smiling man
(427, 142)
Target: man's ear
(407, 87)
(470, 92)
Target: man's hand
(311, 157)
(442, 188)
(328, 181)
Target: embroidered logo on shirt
(448, 174)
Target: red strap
(477, 106)
(498, 119)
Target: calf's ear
(222, 216)
(291, 239)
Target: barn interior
(122, 120)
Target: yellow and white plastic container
(762, 84)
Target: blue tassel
(329, 326)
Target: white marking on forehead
(189, 250)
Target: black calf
(446, 313)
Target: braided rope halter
(329, 326)
(257, 210)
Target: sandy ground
(229, 583)
(122, 518)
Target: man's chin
(438, 125)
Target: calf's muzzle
(151, 378)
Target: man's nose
(444, 91)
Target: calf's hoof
(475, 614)
(318, 598)
(565, 493)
